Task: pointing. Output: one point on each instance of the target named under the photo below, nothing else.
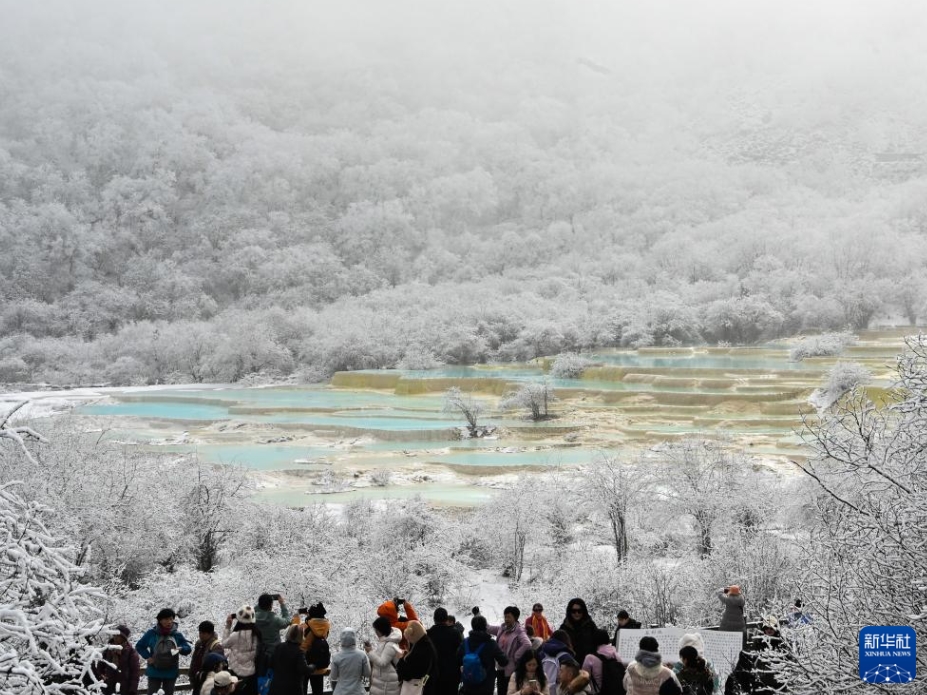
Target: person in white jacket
(383, 657)
(241, 647)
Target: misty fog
(321, 186)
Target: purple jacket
(512, 642)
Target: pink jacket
(593, 664)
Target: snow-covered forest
(195, 194)
(275, 191)
(655, 536)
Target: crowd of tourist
(263, 651)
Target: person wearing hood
(417, 667)
(161, 646)
(581, 629)
(593, 663)
(559, 643)
(447, 641)
(572, 680)
(317, 627)
(695, 641)
(481, 642)
(513, 641)
(289, 665)
(733, 619)
(213, 663)
(399, 612)
(383, 658)
(350, 667)
(647, 675)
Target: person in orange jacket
(399, 619)
(317, 627)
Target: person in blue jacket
(161, 647)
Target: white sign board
(721, 648)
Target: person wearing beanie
(243, 644)
(212, 665)
(733, 619)
(317, 627)
(513, 641)
(594, 664)
(289, 665)
(580, 627)
(558, 644)
(418, 663)
(446, 641)
(350, 667)
(694, 640)
(647, 675)
(384, 656)
(224, 683)
(207, 643)
(161, 647)
(399, 612)
(119, 669)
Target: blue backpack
(473, 672)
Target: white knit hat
(693, 639)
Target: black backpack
(612, 676)
(162, 656)
(319, 654)
(696, 681)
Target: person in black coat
(446, 641)
(490, 655)
(421, 660)
(581, 629)
(291, 672)
(625, 622)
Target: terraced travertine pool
(341, 439)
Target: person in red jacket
(399, 613)
(537, 622)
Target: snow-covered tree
(534, 397)
(866, 560)
(49, 620)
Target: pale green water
(751, 394)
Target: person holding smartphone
(269, 623)
(528, 678)
(733, 619)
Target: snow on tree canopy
(48, 619)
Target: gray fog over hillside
(198, 191)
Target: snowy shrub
(380, 478)
(418, 358)
(825, 345)
(49, 619)
(569, 365)
(841, 378)
(535, 397)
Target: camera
(275, 597)
(231, 616)
(400, 601)
(302, 611)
